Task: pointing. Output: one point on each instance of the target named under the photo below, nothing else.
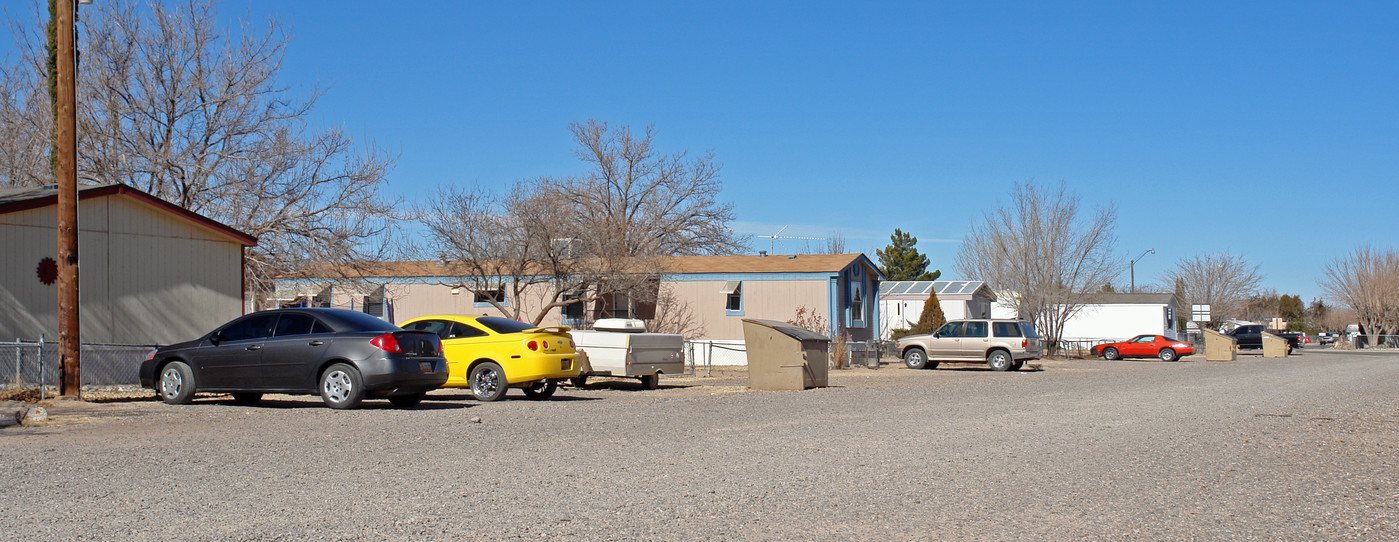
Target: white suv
(1005, 345)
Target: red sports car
(1145, 346)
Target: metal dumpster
(782, 356)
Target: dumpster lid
(798, 333)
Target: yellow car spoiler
(549, 329)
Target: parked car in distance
(1003, 344)
(1250, 337)
(345, 356)
(1144, 346)
(490, 355)
(1326, 337)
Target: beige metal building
(149, 272)
(719, 291)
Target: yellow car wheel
(488, 382)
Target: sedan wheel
(176, 383)
(488, 382)
(541, 391)
(341, 387)
(1110, 353)
(1168, 354)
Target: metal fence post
(42, 385)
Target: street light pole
(1132, 266)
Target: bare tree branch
(1043, 255)
(171, 105)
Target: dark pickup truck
(1251, 337)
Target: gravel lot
(1297, 449)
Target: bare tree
(1043, 255)
(172, 105)
(600, 239)
(638, 202)
(835, 243)
(1222, 281)
(1366, 281)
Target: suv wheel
(915, 358)
(999, 360)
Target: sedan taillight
(387, 343)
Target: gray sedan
(345, 356)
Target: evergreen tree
(932, 317)
(901, 261)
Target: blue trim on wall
(716, 277)
(686, 277)
(833, 305)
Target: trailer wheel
(579, 381)
(651, 381)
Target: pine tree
(901, 261)
(932, 317)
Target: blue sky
(1267, 129)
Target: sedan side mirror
(215, 339)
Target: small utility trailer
(621, 347)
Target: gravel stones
(1077, 450)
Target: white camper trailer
(621, 347)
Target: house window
(612, 305)
(733, 297)
(572, 310)
(857, 307)
(374, 303)
(484, 298)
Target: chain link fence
(35, 364)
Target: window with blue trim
(484, 298)
(572, 309)
(733, 300)
(857, 306)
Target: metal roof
(922, 287)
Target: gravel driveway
(1298, 449)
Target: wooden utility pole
(66, 175)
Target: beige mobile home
(842, 290)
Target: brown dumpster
(1219, 347)
(1274, 346)
(782, 356)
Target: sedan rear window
(359, 321)
(504, 325)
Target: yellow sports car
(489, 354)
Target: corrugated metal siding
(144, 276)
